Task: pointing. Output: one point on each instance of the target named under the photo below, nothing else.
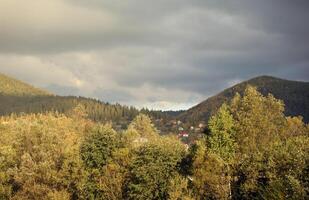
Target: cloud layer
(161, 54)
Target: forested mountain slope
(18, 97)
(294, 94)
(11, 86)
(251, 151)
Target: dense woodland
(294, 94)
(98, 111)
(19, 97)
(250, 150)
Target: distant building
(185, 135)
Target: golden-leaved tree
(37, 154)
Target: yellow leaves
(79, 112)
(59, 195)
(210, 176)
(259, 120)
(34, 150)
(178, 188)
(295, 127)
(122, 156)
(144, 127)
(10, 86)
(111, 181)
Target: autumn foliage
(252, 151)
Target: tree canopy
(252, 151)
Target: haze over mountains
(16, 96)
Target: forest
(19, 97)
(249, 150)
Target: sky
(162, 54)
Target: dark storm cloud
(183, 51)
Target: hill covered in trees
(13, 87)
(294, 94)
(18, 97)
(251, 151)
(70, 148)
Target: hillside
(295, 95)
(19, 97)
(13, 87)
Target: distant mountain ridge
(19, 97)
(295, 95)
(11, 86)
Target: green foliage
(96, 110)
(287, 164)
(268, 151)
(98, 147)
(293, 93)
(18, 97)
(259, 120)
(104, 183)
(221, 141)
(153, 166)
(211, 178)
(252, 152)
(179, 189)
(143, 126)
(33, 153)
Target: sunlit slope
(12, 87)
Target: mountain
(295, 95)
(19, 97)
(13, 87)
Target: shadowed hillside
(18, 97)
(295, 95)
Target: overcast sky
(163, 54)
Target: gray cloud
(113, 95)
(152, 53)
